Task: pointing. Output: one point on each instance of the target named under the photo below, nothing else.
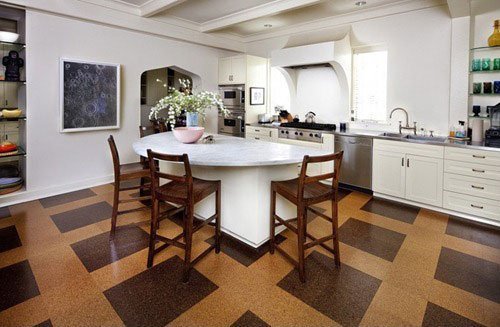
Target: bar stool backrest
(156, 174)
(334, 175)
(115, 156)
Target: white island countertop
(227, 151)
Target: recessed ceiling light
(268, 25)
(360, 3)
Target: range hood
(319, 54)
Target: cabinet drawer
(480, 187)
(472, 205)
(472, 169)
(473, 156)
(258, 137)
(426, 150)
(259, 131)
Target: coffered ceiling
(242, 18)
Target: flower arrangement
(178, 102)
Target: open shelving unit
(13, 96)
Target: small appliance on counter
(264, 118)
(310, 117)
(492, 135)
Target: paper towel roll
(477, 130)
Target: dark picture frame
(257, 96)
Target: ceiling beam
(268, 9)
(459, 8)
(155, 6)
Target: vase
(191, 119)
(494, 39)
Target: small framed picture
(257, 96)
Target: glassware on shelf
(494, 39)
(496, 64)
(476, 88)
(476, 65)
(487, 87)
(496, 87)
(476, 110)
(486, 64)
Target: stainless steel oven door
(232, 96)
(233, 126)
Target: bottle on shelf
(494, 39)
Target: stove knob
(316, 135)
(311, 135)
(282, 132)
(296, 133)
(286, 132)
(300, 134)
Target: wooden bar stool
(305, 191)
(184, 192)
(122, 173)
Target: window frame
(353, 111)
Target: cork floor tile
(17, 284)
(438, 316)
(159, 294)
(80, 217)
(474, 232)
(9, 238)
(66, 198)
(342, 294)
(393, 210)
(249, 319)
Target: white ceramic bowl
(188, 134)
(8, 37)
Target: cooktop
(314, 126)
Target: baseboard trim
(438, 209)
(27, 195)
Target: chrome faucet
(407, 126)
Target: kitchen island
(246, 169)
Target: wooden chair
(184, 191)
(305, 191)
(122, 173)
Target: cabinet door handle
(408, 163)
(402, 162)
(477, 207)
(257, 138)
(477, 187)
(480, 157)
(477, 170)
(257, 130)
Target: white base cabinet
(408, 171)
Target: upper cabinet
(233, 70)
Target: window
(369, 92)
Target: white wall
(418, 45)
(61, 160)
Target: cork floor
(401, 266)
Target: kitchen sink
(425, 138)
(395, 135)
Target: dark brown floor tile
(157, 296)
(249, 319)
(474, 231)
(438, 316)
(4, 212)
(379, 241)
(17, 284)
(56, 200)
(343, 294)
(391, 209)
(469, 273)
(46, 323)
(9, 239)
(80, 217)
(98, 251)
(342, 192)
(241, 252)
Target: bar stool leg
(114, 215)
(217, 219)
(335, 230)
(188, 239)
(152, 234)
(301, 240)
(272, 224)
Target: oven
(233, 124)
(233, 96)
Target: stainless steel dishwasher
(356, 167)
